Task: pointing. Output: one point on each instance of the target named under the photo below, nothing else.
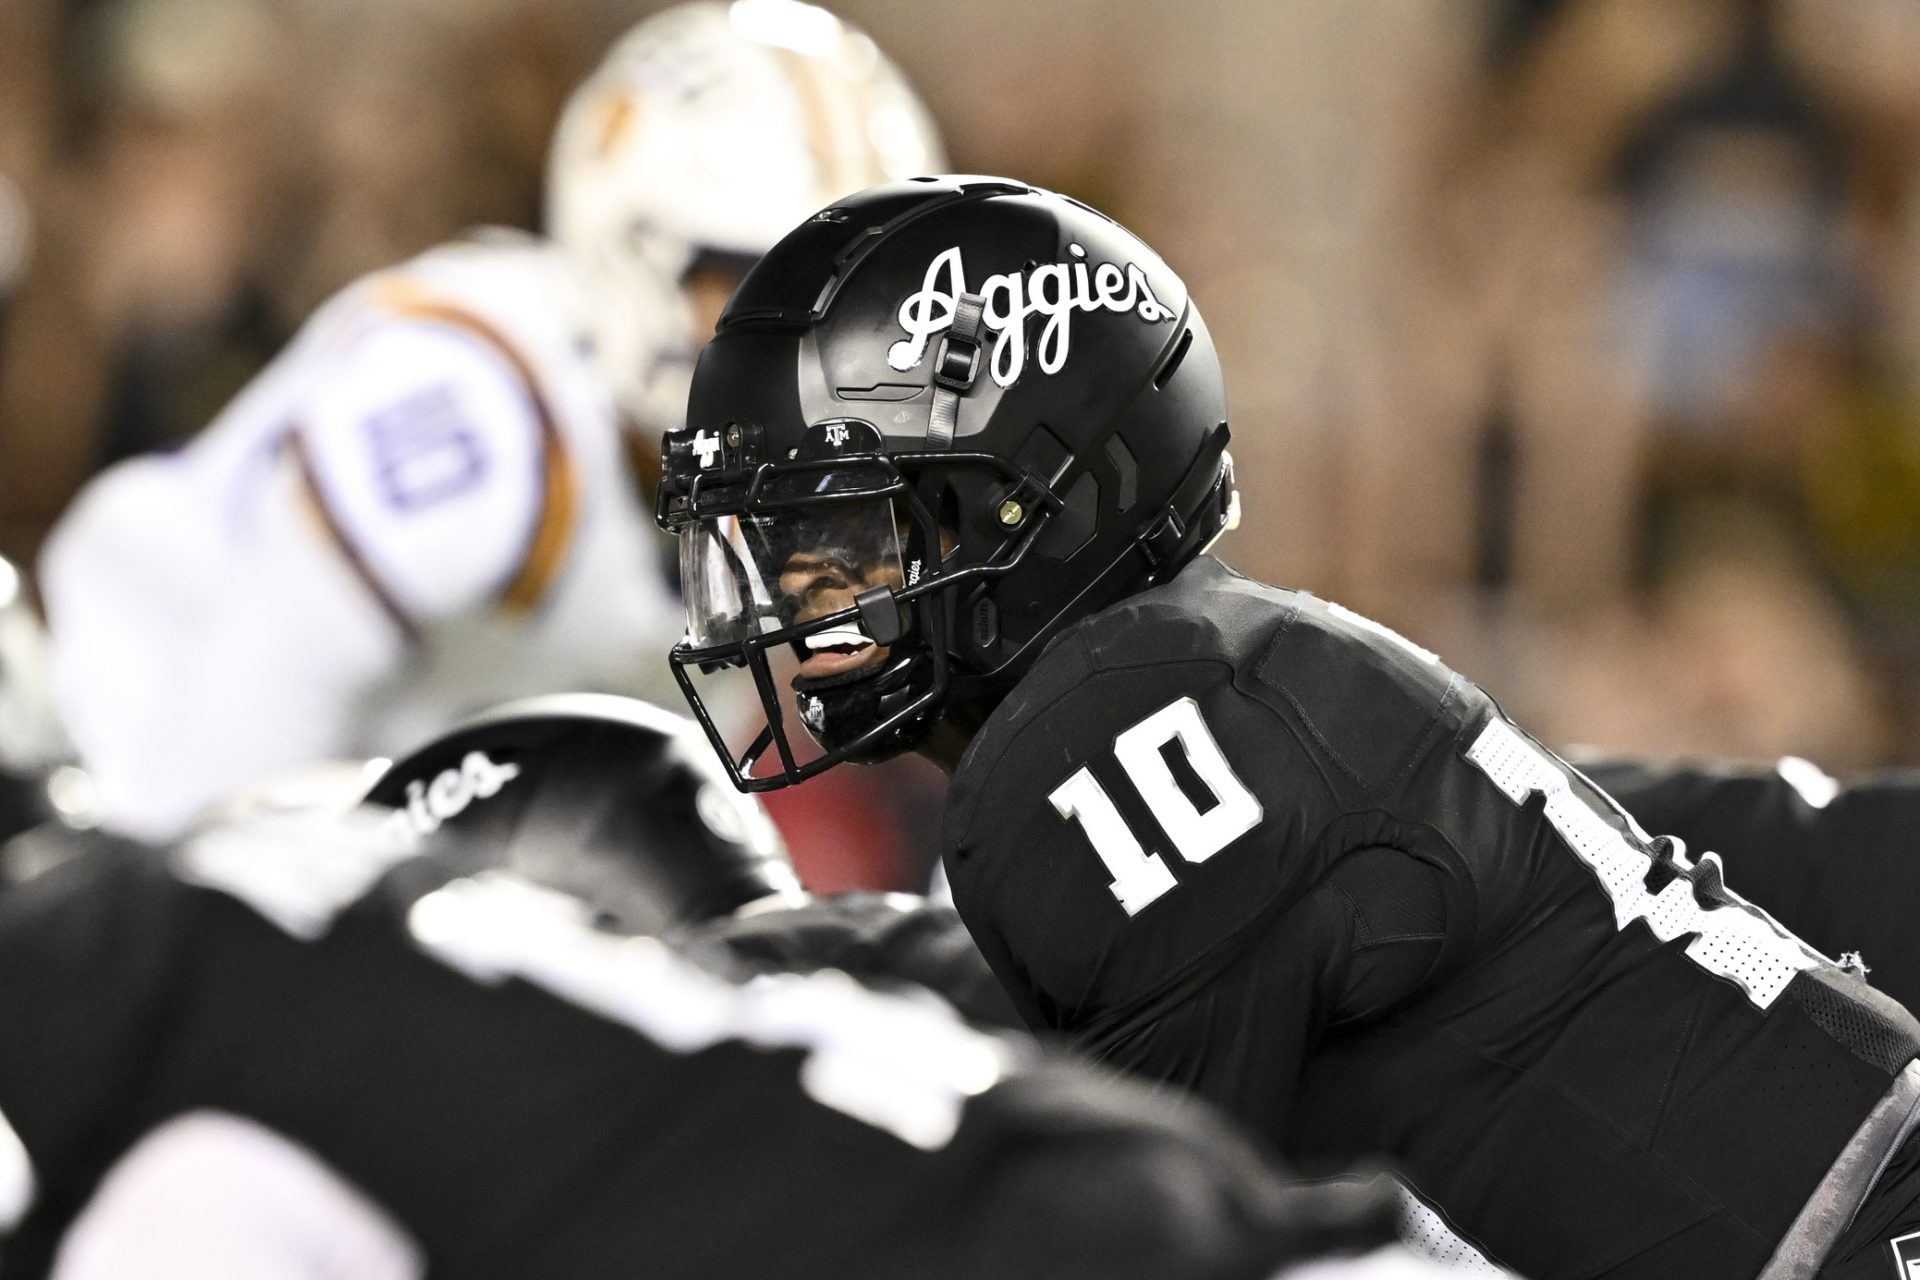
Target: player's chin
(827, 664)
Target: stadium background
(1579, 339)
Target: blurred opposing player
(293, 1052)
(952, 464)
(430, 502)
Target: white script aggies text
(1055, 290)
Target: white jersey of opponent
(422, 507)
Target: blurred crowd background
(1578, 339)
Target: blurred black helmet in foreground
(938, 422)
(610, 799)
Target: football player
(427, 503)
(951, 466)
(295, 1050)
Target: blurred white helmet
(709, 132)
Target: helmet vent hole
(1172, 365)
(826, 294)
(1125, 470)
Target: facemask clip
(880, 615)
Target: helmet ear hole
(1073, 526)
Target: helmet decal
(429, 804)
(607, 798)
(813, 712)
(706, 447)
(1055, 290)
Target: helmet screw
(1012, 513)
(733, 437)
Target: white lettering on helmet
(1055, 290)
(707, 445)
(447, 795)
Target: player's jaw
(823, 585)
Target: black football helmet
(937, 423)
(612, 800)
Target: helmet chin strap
(955, 366)
(837, 711)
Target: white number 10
(1140, 877)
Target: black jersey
(1243, 839)
(528, 1096)
(1837, 865)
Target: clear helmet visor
(748, 575)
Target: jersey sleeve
(1834, 864)
(425, 451)
(1359, 943)
(1757, 820)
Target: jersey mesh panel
(1427, 1234)
(1864, 1032)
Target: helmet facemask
(875, 356)
(831, 564)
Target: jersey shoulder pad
(1134, 803)
(1168, 771)
(1369, 698)
(1364, 696)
